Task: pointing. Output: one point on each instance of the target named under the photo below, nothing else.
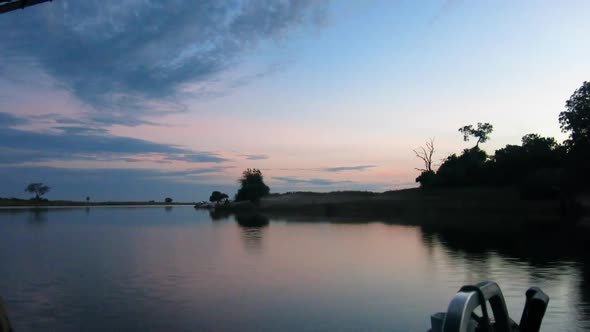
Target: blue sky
(177, 101)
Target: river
(178, 269)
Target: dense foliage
(252, 186)
(540, 165)
(217, 197)
(511, 165)
(576, 117)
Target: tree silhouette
(217, 197)
(252, 186)
(168, 200)
(425, 154)
(465, 169)
(482, 133)
(512, 164)
(576, 118)
(39, 189)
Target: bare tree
(425, 153)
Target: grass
(460, 207)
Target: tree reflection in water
(217, 215)
(252, 226)
(37, 216)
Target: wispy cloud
(84, 143)
(313, 181)
(348, 168)
(332, 169)
(10, 120)
(129, 59)
(445, 9)
(196, 171)
(200, 157)
(255, 156)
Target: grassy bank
(457, 206)
(16, 202)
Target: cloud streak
(332, 169)
(255, 156)
(313, 181)
(10, 120)
(84, 143)
(348, 168)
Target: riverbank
(452, 206)
(16, 202)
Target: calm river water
(178, 269)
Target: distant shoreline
(22, 203)
(449, 207)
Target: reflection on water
(149, 268)
(556, 260)
(37, 216)
(252, 221)
(252, 230)
(219, 215)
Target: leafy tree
(427, 179)
(576, 118)
(482, 133)
(534, 142)
(542, 152)
(39, 189)
(467, 169)
(252, 186)
(217, 197)
(509, 164)
(168, 200)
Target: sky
(146, 99)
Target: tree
(39, 189)
(538, 144)
(513, 163)
(509, 165)
(425, 154)
(252, 186)
(168, 200)
(576, 118)
(481, 133)
(217, 197)
(469, 168)
(427, 179)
